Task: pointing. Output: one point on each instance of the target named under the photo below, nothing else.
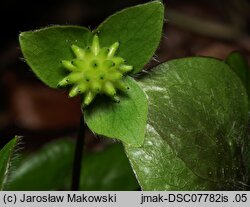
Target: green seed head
(95, 70)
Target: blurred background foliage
(41, 115)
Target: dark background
(39, 114)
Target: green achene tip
(95, 70)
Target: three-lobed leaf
(196, 128)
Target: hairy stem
(78, 156)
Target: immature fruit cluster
(95, 70)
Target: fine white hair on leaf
(22, 59)
(14, 157)
(165, 20)
(146, 71)
(156, 59)
(164, 36)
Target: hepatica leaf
(44, 50)
(125, 120)
(196, 133)
(50, 169)
(6, 156)
(158, 168)
(46, 169)
(138, 29)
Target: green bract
(71, 55)
(95, 70)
